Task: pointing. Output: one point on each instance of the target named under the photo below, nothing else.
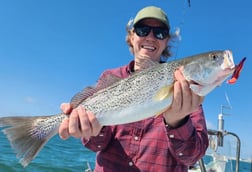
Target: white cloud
(29, 99)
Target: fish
(146, 93)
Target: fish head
(206, 71)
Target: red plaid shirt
(149, 145)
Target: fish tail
(27, 135)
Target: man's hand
(184, 101)
(81, 123)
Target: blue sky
(49, 50)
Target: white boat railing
(220, 134)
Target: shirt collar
(130, 68)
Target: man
(170, 142)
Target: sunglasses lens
(142, 31)
(159, 32)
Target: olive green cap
(152, 12)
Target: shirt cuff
(98, 142)
(183, 132)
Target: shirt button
(136, 138)
(181, 154)
(99, 146)
(101, 135)
(171, 136)
(130, 163)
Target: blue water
(57, 155)
(65, 156)
(231, 165)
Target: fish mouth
(228, 61)
(217, 81)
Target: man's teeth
(148, 47)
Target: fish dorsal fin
(106, 81)
(145, 63)
(164, 93)
(81, 96)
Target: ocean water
(230, 165)
(57, 155)
(67, 156)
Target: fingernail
(64, 136)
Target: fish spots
(43, 127)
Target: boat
(218, 161)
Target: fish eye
(214, 56)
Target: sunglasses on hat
(159, 32)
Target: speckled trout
(116, 101)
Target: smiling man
(173, 141)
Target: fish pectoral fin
(164, 93)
